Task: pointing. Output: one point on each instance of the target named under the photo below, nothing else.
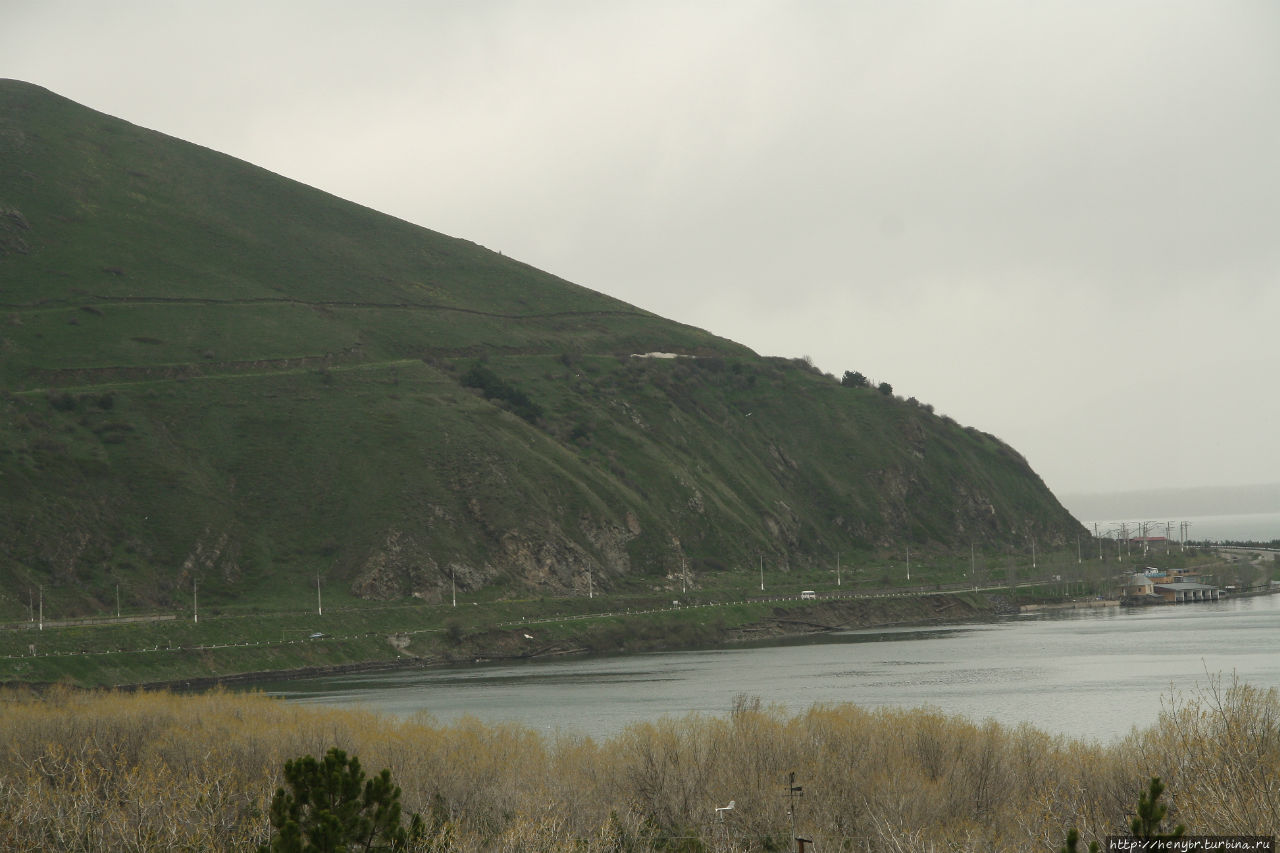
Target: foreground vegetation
(147, 771)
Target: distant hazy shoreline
(1215, 512)
(1242, 527)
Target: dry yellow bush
(158, 771)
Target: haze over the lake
(1057, 221)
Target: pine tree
(331, 808)
(1073, 839)
(1151, 813)
(1145, 824)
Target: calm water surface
(1086, 673)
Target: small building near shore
(1166, 588)
(1136, 585)
(1182, 590)
(1139, 589)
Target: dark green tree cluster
(495, 388)
(853, 379)
(330, 807)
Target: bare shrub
(151, 771)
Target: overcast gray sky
(1057, 221)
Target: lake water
(1250, 527)
(1087, 673)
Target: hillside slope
(214, 374)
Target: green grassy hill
(212, 373)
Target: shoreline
(1092, 604)
(822, 616)
(640, 634)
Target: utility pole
(762, 572)
(908, 562)
(793, 791)
(453, 585)
(41, 607)
(319, 604)
(117, 601)
(591, 592)
(837, 568)
(195, 600)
